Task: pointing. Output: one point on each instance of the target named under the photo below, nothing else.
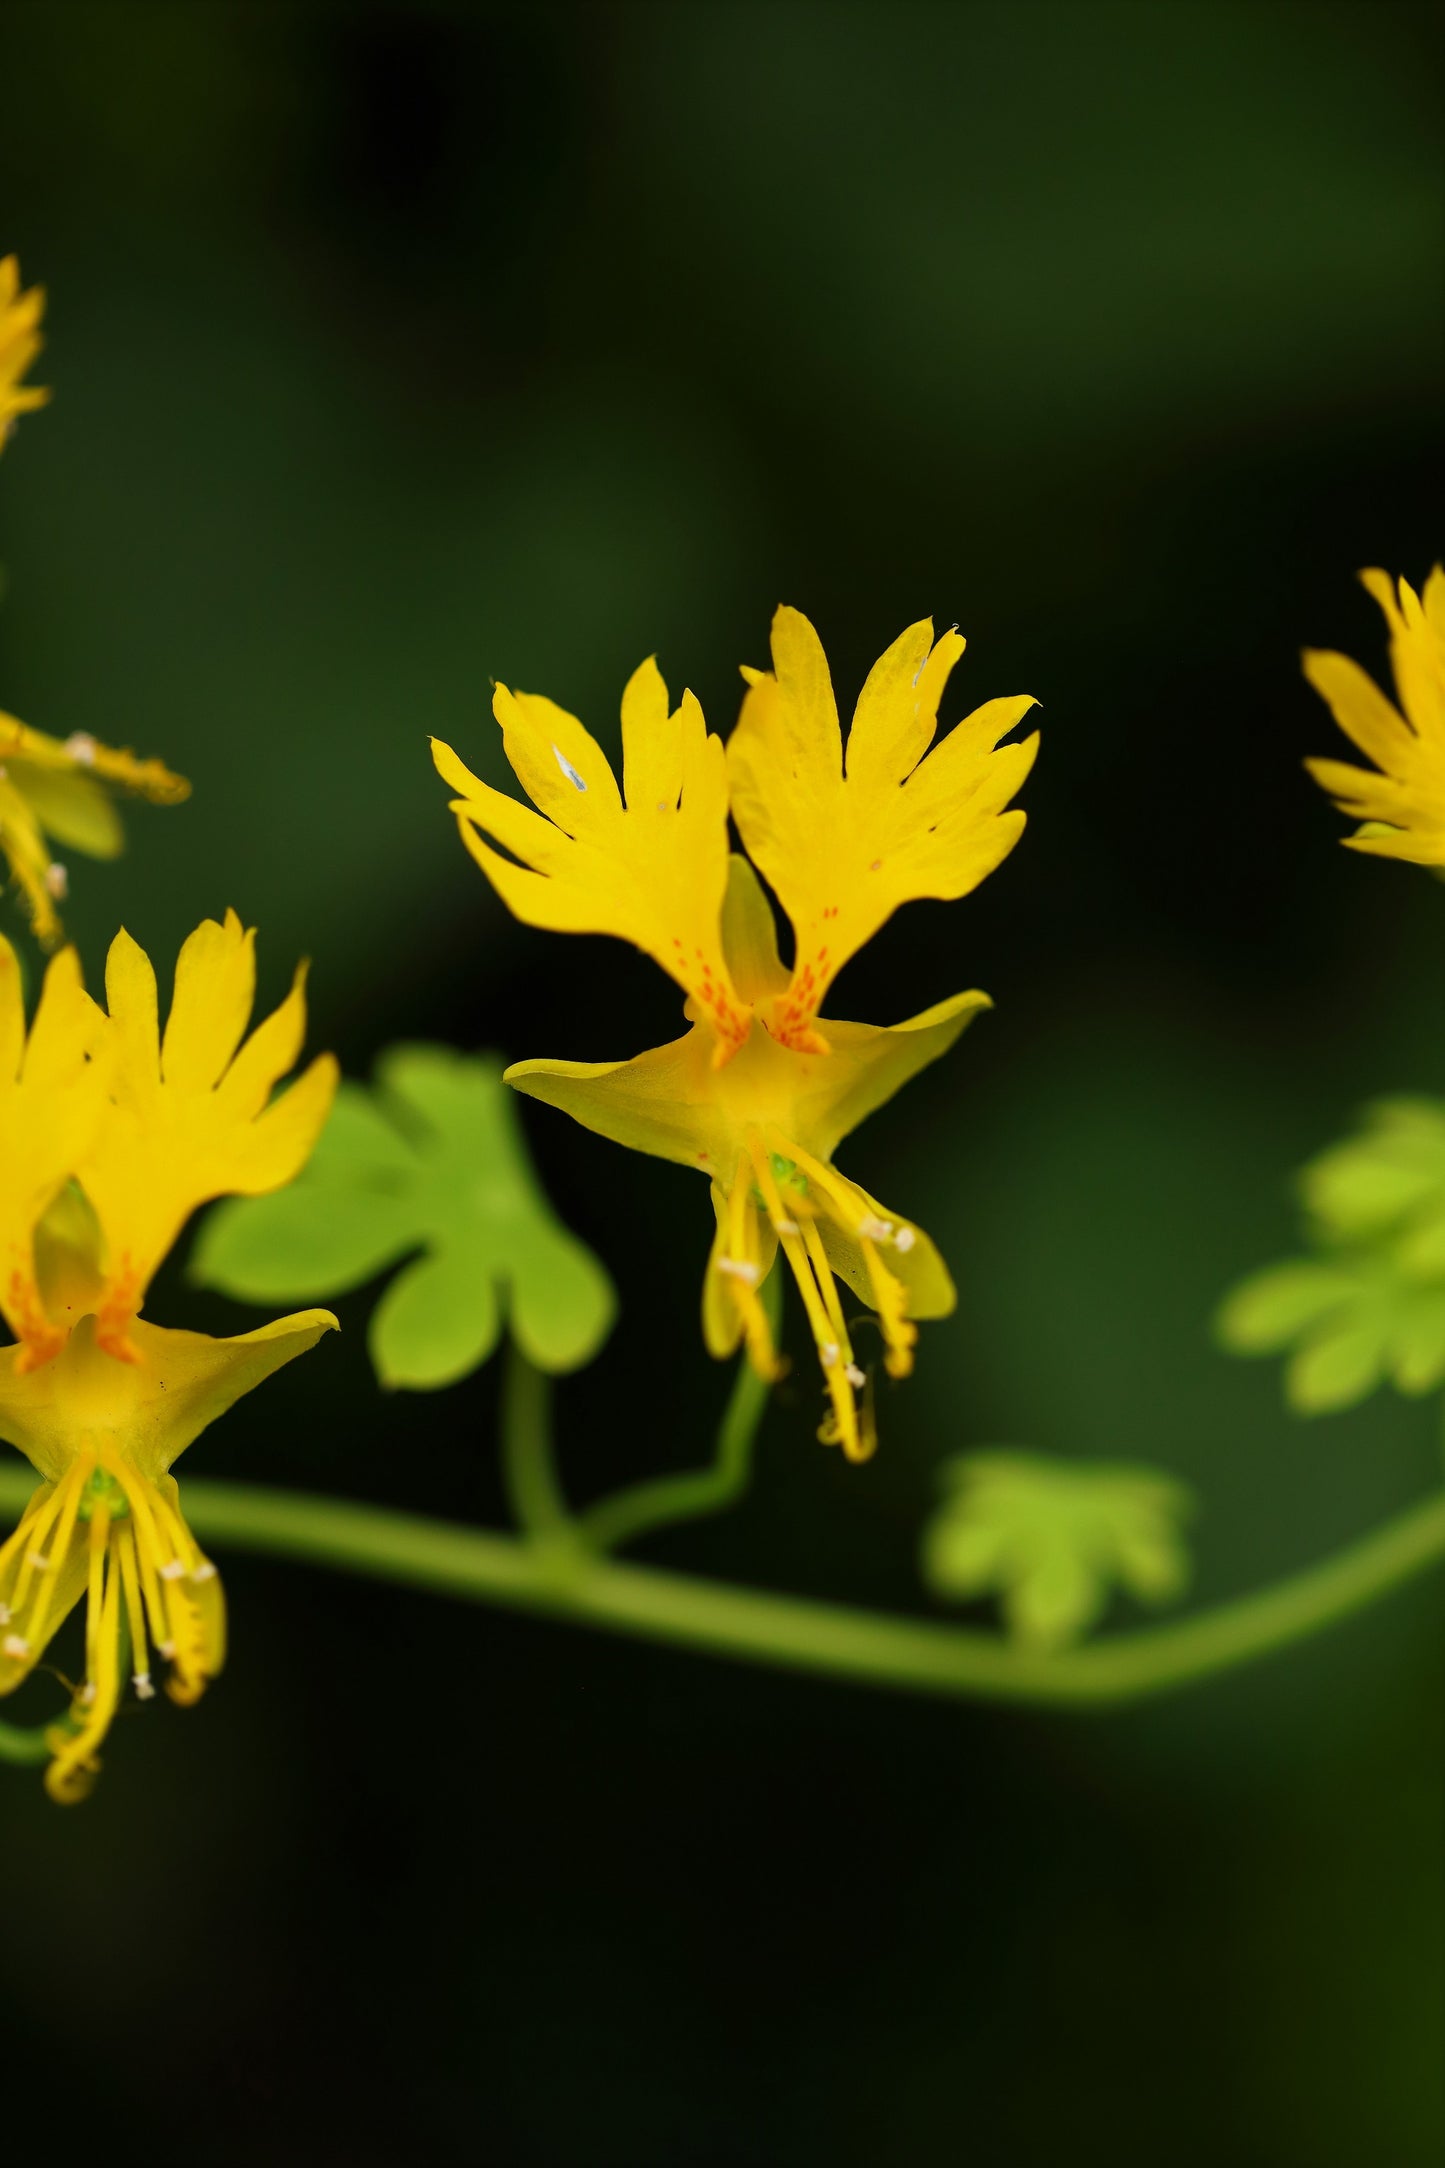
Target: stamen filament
(99, 1546)
(823, 1271)
(830, 1336)
(71, 1492)
(134, 1606)
(34, 1532)
(743, 1272)
(175, 1621)
(73, 1770)
(890, 1297)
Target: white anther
(166, 1649)
(786, 1227)
(14, 1645)
(740, 1268)
(81, 747)
(567, 769)
(57, 881)
(873, 1229)
(855, 1377)
(38, 1562)
(828, 1353)
(86, 1696)
(204, 1572)
(904, 1239)
(173, 1569)
(144, 1690)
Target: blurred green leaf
(1370, 1306)
(1391, 1178)
(1053, 1540)
(431, 1160)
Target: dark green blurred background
(399, 347)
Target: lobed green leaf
(429, 1164)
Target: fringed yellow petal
(189, 1120)
(1408, 794)
(652, 871)
(844, 844)
(52, 1099)
(20, 344)
(215, 991)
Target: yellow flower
(54, 788)
(1403, 805)
(109, 1138)
(755, 1095)
(20, 342)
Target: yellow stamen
(75, 1767)
(36, 1532)
(71, 1492)
(170, 1563)
(831, 1339)
(134, 1610)
(746, 1258)
(99, 1547)
(890, 1297)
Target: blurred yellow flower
(109, 1137)
(757, 1096)
(20, 343)
(53, 789)
(1403, 805)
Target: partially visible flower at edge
(54, 788)
(110, 1136)
(759, 1093)
(1402, 807)
(20, 343)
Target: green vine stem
(829, 1639)
(631, 1513)
(533, 1491)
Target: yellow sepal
(146, 1411)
